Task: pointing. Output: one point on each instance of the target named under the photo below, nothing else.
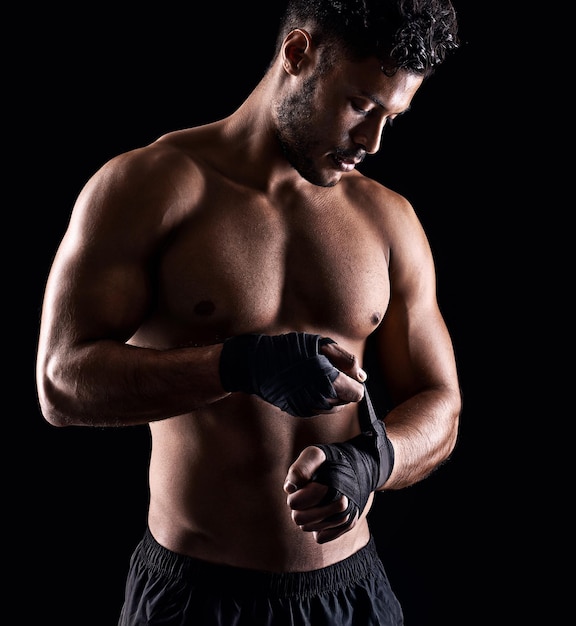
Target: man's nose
(369, 135)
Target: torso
(243, 261)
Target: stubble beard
(297, 132)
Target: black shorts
(175, 590)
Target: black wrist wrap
(357, 467)
(285, 370)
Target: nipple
(204, 307)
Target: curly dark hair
(412, 35)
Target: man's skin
(210, 232)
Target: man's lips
(347, 163)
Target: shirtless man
(220, 285)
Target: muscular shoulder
(395, 217)
(387, 208)
(155, 185)
(160, 170)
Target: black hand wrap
(357, 467)
(285, 370)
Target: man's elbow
(50, 409)
(53, 401)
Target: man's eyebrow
(379, 102)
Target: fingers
(300, 473)
(307, 499)
(314, 516)
(348, 385)
(311, 515)
(344, 361)
(347, 390)
(324, 536)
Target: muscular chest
(250, 267)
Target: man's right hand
(297, 372)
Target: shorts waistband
(357, 566)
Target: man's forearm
(423, 431)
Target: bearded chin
(296, 151)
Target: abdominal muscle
(216, 485)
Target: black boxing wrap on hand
(286, 370)
(357, 467)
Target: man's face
(331, 120)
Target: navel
(204, 307)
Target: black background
(92, 83)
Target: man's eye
(360, 109)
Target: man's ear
(294, 49)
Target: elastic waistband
(356, 567)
